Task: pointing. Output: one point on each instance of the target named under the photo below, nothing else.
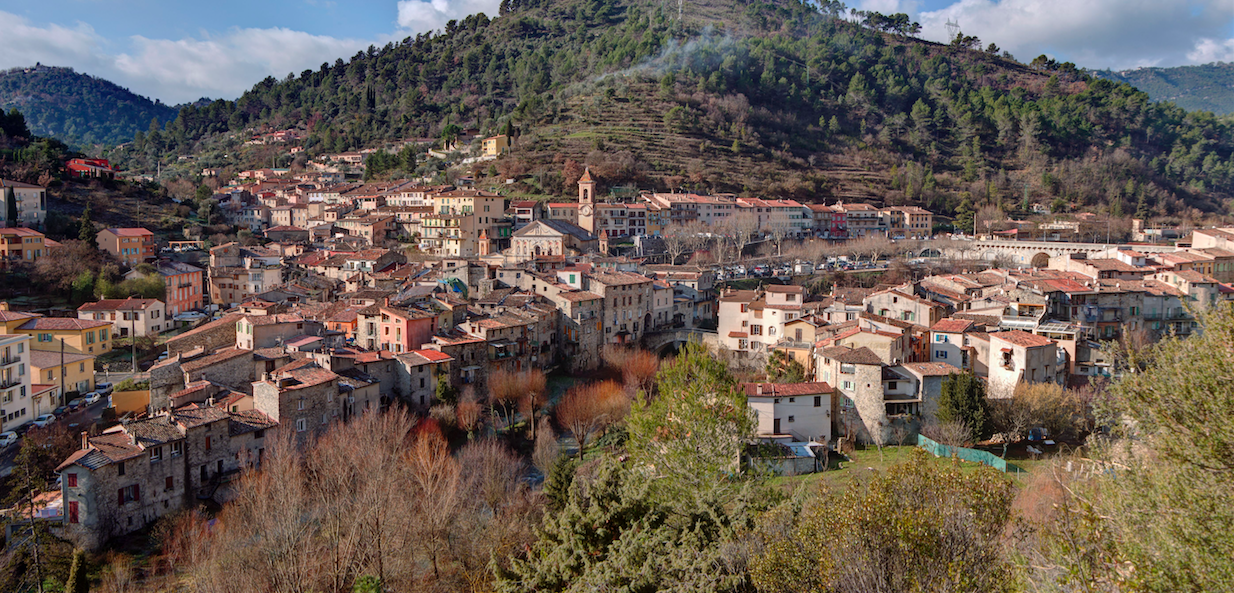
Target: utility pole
(63, 372)
(133, 334)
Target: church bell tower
(586, 202)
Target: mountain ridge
(773, 98)
(79, 108)
(1202, 87)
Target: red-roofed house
(141, 317)
(90, 168)
(129, 245)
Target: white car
(7, 438)
(93, 397)
(44, 420)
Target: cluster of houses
(461, 221)
(884, 353)
(325, 320)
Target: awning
(1007, 350)
(738, 335)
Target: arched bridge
(1036, 254)
(661, 340)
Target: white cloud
(24, 44)
(1211, 50)
(890, 6)
(226, 66)
(1092, 33)
(418, 16)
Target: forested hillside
(1207, 87)
(778, 99)
(78, 108)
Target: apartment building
(17, 380)
(21, 245)
(31, 202)
(129, 245)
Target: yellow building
(11, 320)
(80, 336)
(72, 372)
(496, 145)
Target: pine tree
(78, 581)
(963, 400)
(86, 231)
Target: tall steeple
(586, 202)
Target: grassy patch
(863, 461)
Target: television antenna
(953, 28)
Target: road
(75, 421)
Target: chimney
(85, 439)
(758, 388)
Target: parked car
(103, 388)
(93, 397)
(76, 404)
(60, 411)
(44, 420)
(7, 438)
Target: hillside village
(328, 317)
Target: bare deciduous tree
(587, 409)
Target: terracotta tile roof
(1023, 338)
(61, 324)
(44, 359)
(214, 358)
(609, 278)
(784, 288)
(229, 319)
(248, 421)
(192, 417)
(119, 305)
(848, 355)
(786, 389)
(16, 315)
(131, 232)
(931, 369)
(952, 326)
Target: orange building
(130, 245)
(20, 244)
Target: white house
(803, 410)
(142, 317)
(1017, 356)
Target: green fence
(941, 450)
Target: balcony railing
(6, 361)
(7, 383)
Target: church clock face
(585, 210)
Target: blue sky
(179, 51)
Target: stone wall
(235, 373)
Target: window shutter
(120, 496)
(136, 492)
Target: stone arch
(1041, 260)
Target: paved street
(75, 421)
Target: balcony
(9, 382)
(12, 360)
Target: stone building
(302, 396)
(132, 474)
